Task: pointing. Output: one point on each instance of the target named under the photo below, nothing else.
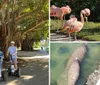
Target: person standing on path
(1, 59)
(12, 50)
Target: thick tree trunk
(5, 29)
(11, 18)
(27, 44)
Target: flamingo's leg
(71, 30)
(63, 22)
(58, 25)
(69, 35)
(61, 17)
(75, 36)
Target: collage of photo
(49, 42)
(75, 42)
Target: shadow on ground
(33, 72)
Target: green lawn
(90, 31)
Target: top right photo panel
(74, 20)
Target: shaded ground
(58, 38)
(34, 71)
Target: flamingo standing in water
(76, 26)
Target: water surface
(60, 53)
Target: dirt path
(33, 54)
(58, 38)
(34, 71)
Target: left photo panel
(24, 42)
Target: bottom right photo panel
(75, 63)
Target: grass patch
(93, 37)
(90, 31)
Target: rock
(94, 78)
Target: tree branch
(36, 11)
(34, 25)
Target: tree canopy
(22, 18)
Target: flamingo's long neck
(82, 18)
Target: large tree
(18, 18)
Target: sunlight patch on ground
(23, 77)
(26, 77)
(46, 66)
(12, 82)
(34, 57)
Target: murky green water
(60, 52)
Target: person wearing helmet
(12, 50)
(1, 59)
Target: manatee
(65, 77)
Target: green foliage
(21, 19)
(26, 22)
(90, 31)
(0, 2)
(78, 5)
(36, 45)
(43, 28)
(54, 25)
(37, 34)
(59, 3)
(93, 37)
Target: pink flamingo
(77, 25)
(59, 12)
(66, 10)
(69, 22)
(86, 13)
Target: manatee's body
(73, 72)
(79, 53)
(66, 76)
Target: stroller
(2, 77)
(12, 71)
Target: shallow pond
(60, 53)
